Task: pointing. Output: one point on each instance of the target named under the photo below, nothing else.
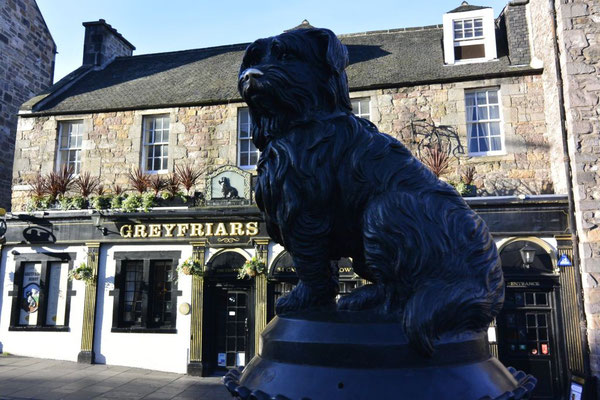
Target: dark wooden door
(527, 337)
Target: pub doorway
(529, 331)
(228, 323)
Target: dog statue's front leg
(307, 240)
(316, 289)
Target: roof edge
(210, 102)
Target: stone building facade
(493, 93)
(577, 32)
(26, 69)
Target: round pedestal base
(358, 356)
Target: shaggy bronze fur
(332, 186)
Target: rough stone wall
(524, 169)
(578, 35)
(516, 24)
(26, 68)
(205, 137)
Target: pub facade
(165, 287)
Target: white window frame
(149, 142)
(240, 138)
(488, 37)
(470, 122)
(361, 113)
(63, 153)
(463, 29)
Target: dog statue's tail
(465, 302)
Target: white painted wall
(53, 345)
(159, 351)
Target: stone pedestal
(340, 355)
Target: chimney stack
(103, 43)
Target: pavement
(34, 378)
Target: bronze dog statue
(332, 186)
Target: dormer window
(469, 34)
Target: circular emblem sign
(31, 297)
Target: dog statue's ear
(335, 52)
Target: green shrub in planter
(101, 202)
(116, 202)
(148, 201)
(78, 203)
(132, 203)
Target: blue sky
(156, 26)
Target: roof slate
(402, 57)
(466, 7)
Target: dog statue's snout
(250, 73)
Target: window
(469, 35)
(145, 292)
(70, 135)
(155, 143)
(362, 107)
(484, 122)
(468, 29)
(42, 292)
(247, 152)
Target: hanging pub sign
(228, 186)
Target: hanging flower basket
(190, 266)
(251, 268)
(82, 273)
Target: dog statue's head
(296, 76)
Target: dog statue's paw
(304, 297)
(362, 298)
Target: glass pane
(158, 124)
(470, 99)
(541, 320)
(364, 106)
(245, 146)
(493, 97)
(57, 294)
(458, 25)
(468, 34)
(243, 116)
(541, 299)
(472, 131)
(355, 107)
(165, 150)
(496, 143)
(458, 34)
(244, 159)
(156, 164)
(482, 112)
(531, 320)
(30, 295)
(468, 24)
(253, 158)
(478, 22)
(165, 136)
(166, 123)
(481, 98)
(529, 299)
(471, 114)
(483, 145)
(473, 148)
(494, 128)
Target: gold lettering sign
(206, 229)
